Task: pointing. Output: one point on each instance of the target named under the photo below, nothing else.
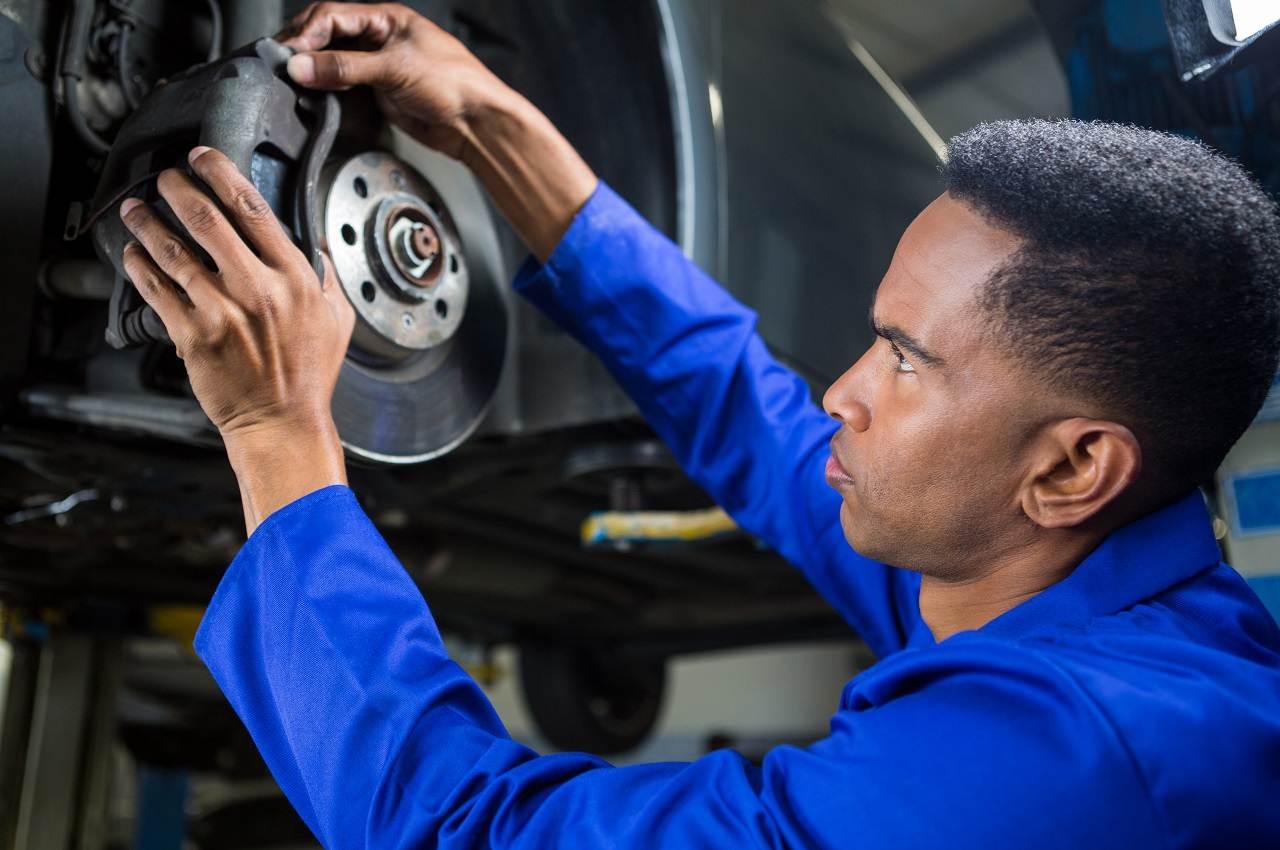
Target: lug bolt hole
(367, 290)
(442, 309)
(348, 234)
(361, 187)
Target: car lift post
(58, 728)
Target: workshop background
(592, 589)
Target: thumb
(332, 70)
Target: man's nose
(843, 400)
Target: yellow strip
(656, 526)
(178, 622)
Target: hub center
(397, 252)
(415, 246)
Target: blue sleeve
(743, 426)
(327, 651)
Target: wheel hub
(427, 350)
(397, 252)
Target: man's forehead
(941, 262)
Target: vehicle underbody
(479, 436)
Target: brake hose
(75, 45)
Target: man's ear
(1079, 466)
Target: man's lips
(837, 475)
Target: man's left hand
(262, 338)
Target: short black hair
(1148, 279)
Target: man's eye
(904, 365)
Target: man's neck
(950, 605)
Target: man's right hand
(428, 83)
(425, 80)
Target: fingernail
(197, 152)
(128, 205)
(302, 68)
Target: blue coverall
(1136, 704)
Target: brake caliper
(243, 105)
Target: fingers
(158, 291)
(321, 23)
(203, 220)
(335, 70)
(167, 251)
(246, 205)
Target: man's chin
(856, 533)
(860, 534)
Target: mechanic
(1069, 340)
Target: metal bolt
(426, 242)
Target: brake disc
(432, 326)
(431, 329)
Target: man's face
(930, 457)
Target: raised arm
(742, 425)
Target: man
(1069, 340)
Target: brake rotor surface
(427, 351)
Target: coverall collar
(1133, 564)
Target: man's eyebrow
(904, 340)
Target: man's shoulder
(1190, 681)
(1201, 658)
(1177, 715)
(992, 740)
(1209, 636)
(1184, 687)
